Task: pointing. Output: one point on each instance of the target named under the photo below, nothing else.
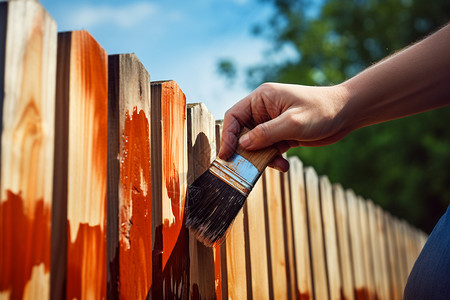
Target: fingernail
(244, 141)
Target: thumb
(265, 134)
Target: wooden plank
(27, 108)
(345, 255)
(319, 271)
(87, 98)
(257, 243)
(401, 253)
(395, 286)
(277, 264)
(382, 240)
(201, 151)
(288, 236)
(300, 229)
(331, 245)
(376, 260)
(170, 274)
(357, 248)
(129, 203)
(366, 247)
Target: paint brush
(215, 198)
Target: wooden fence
(95, 162)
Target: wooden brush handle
(259, 158)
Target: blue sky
(180, 40)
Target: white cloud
(124, 16)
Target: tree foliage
(403, 165)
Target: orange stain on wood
(217, 273)
(25, 242)
(303, 296)
(135, 211)
(87, 276)
(173, 114)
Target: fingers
(266, 134)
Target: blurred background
(218, 51)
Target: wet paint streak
(135, 210)
(25, 242)
(174, 162)
(171, 248)
(86, 270)
(217, 273)
(362, 294)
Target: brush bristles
(212, 207)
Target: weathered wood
(257, 242)
(288, 236)
(357, 247)
(277, 263)
(318, 261)
(129, 203)
(170, 274)
(345, 255)
(27, 115)
(300, 229)
(331, 245)
(220, 258)
(87, 98)
(201, 151)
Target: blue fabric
(430, 276)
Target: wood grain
(331, 244)
(27, 107)
(129, 203)
(277, 265)
(257, 242)
(367, 247)
(169, 163)
(201, 151)
(87, 97)
(288, 236)
(357, 247)
(343, 234)
(318, 260)
(393, 259)
(300, 229)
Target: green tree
(403, 165)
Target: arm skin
(411, 81)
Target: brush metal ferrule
(238, 172)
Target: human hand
(285, 116)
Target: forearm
(413, 80)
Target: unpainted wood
(343, 237)
(288, 233)
(277, 266)
(367, 247)
(201, 151)
(27, 114)
(381, 245)
(87, 165)
(169, 163)
(320, 281)
(331, 245)
(258, 254)
(300, 229)
(129, 202)
(395, 288)
(357, 248)
(376, 251)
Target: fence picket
(169, 168)
(129, 203)
(201, 150)
(27, 105)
